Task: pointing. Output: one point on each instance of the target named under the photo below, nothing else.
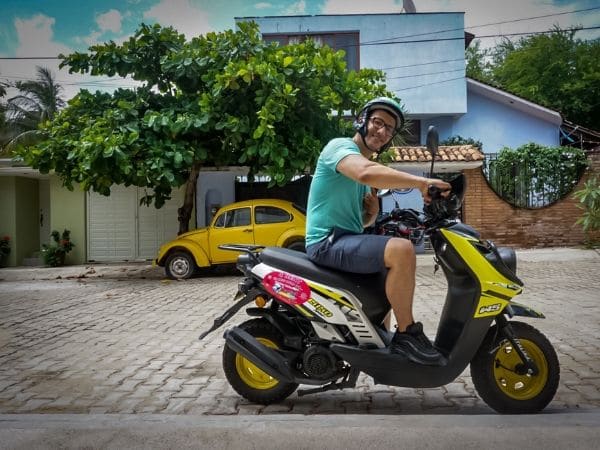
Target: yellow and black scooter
(321, 327)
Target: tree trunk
(184, 213)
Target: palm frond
(24, 139)
(37, 100)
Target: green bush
(459, 140)
(533, 175)
(54, 254)
(589, 201)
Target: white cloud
(109, 21)
(36, 38)
(91, 39)
(262, 5)
(296, 8)
(182, 15)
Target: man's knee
(399, 251)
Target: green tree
(222, 99)
(556, 70)
(478, 64)
(36, 102)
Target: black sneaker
(414, 345)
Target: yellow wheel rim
(253, 376)
(514, 385)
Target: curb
(145, 270)
(547, 431)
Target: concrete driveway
(121, 339)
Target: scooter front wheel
(499, 376)
(246, 378)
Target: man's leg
(409, 340)
(401, 261)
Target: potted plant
(54, 254)
(4, 250)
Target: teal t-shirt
(334, 199)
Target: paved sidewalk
(119, 339)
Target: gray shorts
(350, 252)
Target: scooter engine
(319, 362)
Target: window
(270, 214)
(235, 218)
(220, 222)
(346, 41)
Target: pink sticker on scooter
(286, 287)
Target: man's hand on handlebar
(433, 188)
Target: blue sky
(30, 28)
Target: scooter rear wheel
(247, 379)
(498, 374)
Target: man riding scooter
(342, 201)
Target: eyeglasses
(380, 123)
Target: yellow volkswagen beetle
(267, 222)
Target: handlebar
(435, 192)
(444, 205)
(408, 216)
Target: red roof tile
(459, 153)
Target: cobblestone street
(116, 343)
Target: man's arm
(376, 175)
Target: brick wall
(495, 219)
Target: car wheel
(180, 266)
(297, 246)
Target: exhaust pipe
(265, 358)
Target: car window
(235, 218)
(220, 222)
(238, 218)
(270, 214)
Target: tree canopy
(221, 99)
(556, 70)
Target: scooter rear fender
(267, 359)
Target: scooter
(321, 327)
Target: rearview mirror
(432, 142)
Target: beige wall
(27, 218)
(7, 214)
(68, 211)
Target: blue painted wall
(496, 125)
(423, 87)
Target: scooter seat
(368, 288)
